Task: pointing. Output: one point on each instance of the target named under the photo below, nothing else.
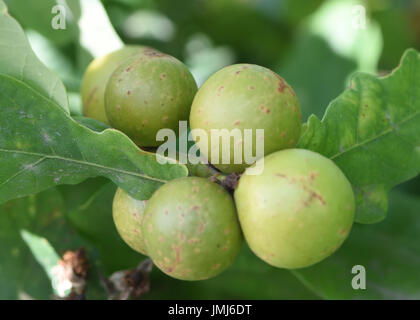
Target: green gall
(149, 92)
(298, 211)
(191, 229)
(127, 213)
(96, 77)
(241, 97)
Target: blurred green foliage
(284, 35)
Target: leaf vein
(385, 132)
(91, 164)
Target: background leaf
(248, 278)
(41, 146)
(304, 75)
(89, 211)
(37, 15)
(389, 251)
(372, 132)
(18, 60)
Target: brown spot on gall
(281, 175)
(220, 90)
(281, 86)
(216, 266)
(313, 175)
(313, 195)
(236, 122)
(153, 53)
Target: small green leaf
(19, 61)
(47, 257)
(42, 146)
(33, 234)
(372, 132)
(42, 250)
(389, 252)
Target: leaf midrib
(383, 133)
(91, 164)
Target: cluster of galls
(297, 212)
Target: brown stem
(229, 182)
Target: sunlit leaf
(372, 132)
(19, 61)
